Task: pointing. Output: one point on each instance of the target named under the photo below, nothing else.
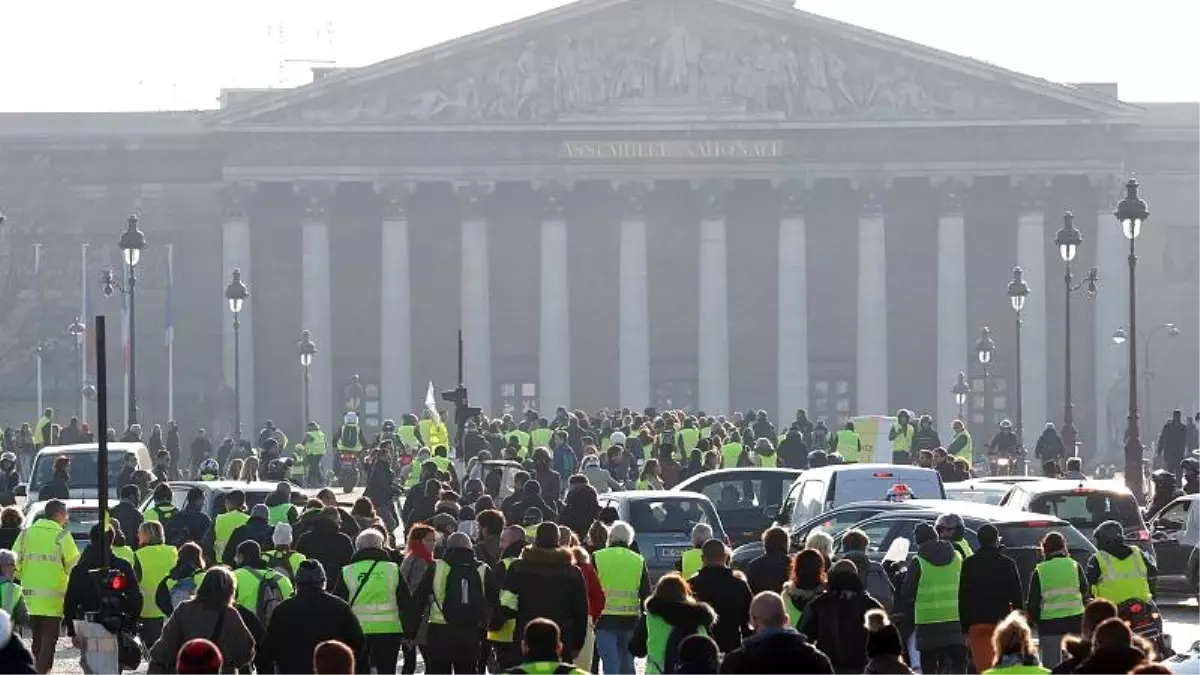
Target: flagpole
(170, 333)
(37, 267)
(125, 348)
(87, 321)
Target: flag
(431, 403)
(168, 318)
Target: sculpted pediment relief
(675, 60)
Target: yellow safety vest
(45, 555)
(286, 564)
(375, 605)
(425, 425)
(1120, 580)
(620, 571)
(408, 437)
(966, 453)
(39, 431)
(767, 461)
(692, 562)
(937, 591)
(223, 528)
(441, 574)
(279, 513)
(341, 444)
(414, 474)
(160, 513)
(541, 437)
(443, 463)
(10, 596)
(153, 564)
(847, 444)
(1059, 580)
(1017, 670)
(964, 547)
(314, 443)
(509, 629)
(731, 454)
(903, 440)
(546, 668)
(688, 438)
(124, 553)
(248, 581)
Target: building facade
(711, 204)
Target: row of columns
(554, 350)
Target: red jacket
(595, 592)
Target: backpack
(464, 595)
(270, 595)
(184, 590)
(349, 435)
(280, 563)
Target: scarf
(418, 549)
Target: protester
(775, 647)
(544, 583)
(333, 658)
(311, 617)
(626, 584)
(833, 621)
(885, 647)
(989, 590)
(459, 608)
(378, 595)
(806, 583)
(418, 557)
(672, 614)
(326, 542)
(875, 579)
(1012, 643)
(726, 592)
(1058, 591)
(939, 635)
(256, 529)
(542, 650)
(769, 571)
(1079, 647)
(698, 655)
(199, 656)
(211, 616)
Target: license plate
(671, 551)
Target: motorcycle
(1145, 620)
(1004, 465)
(347, 471)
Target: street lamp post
(236, 294)
(77, 329)
(132, 242)
(1018, 291)
(307, 351)
(1068, 239)
(1119, 338)
(1132, 213)
(961, 390)
(984, 347)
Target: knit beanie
(310, 573)
(882, 637)
(199, 656)
(282, 536)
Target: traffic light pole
(458, 396)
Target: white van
(85, 481)
(819, 490)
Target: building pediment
(673, 60)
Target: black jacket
(1112, 660)
(305, 620)
(1065, 625)
(328, 544)
(581, 510)
(1049, 445)
(924, 439)
(8, 537)
(127, 514)
(779, 650)
(190, 524)
(727, 592)
(988, 589)
(58, 487)
(548, 585)
(768, 572)
(1172, 441)
(514, 511)
(793, 451)
(451, 643)
(16, 658)
(833, 621)
(255, 529)
(83, 595)
(685, 619)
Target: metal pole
(133, 409)
(1133, 441)
(101, 436)
(1069, 431)
(40, 406)
(79, 377)
(1147, 376)
(306, 412)
(1020, 410)
(987, 398)
(237, 378)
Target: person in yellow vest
(626, 583)
(425, 426)
(251, 575)
(692, 559)
(542, 435)
(846, 443)
(163, 510)
(441, 458)
(416, 468)
(45, 552)
(280, 508)
(765, 455)
(409, 433)
(950, 527)
(41, 432)
(1058, 591)
(120, 545)
(960, 446)
(671, 615)
(210, 470)
(1117, 571)
(733, 452)
(153, 561)
(12, 595)
(459, 591)
(1013, 644)
(218, 535)
(501, 634)
(283, 558)
(542, 649)
(929, 595)
(378, 596)
(901, 435)
(688, 436)
(315, 448)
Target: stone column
(952, 357)
(395, 311)
(1112, 312)
(792, 357)
(476, 294)
(713, 337)
(1031, 256)
(554, 350)
(316, 307)
(872, 362)
(236, 255)
(634, 317)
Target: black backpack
(464, 596)
(349, 435)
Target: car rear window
(79, 520)
(862, 486)
(253, 497)
(670, 515)
(1085, 508)
(84, 473)
(754, 495)
(975, 496)
(1029, 535)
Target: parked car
(1084, 504)
(977, 491)
(85, 477)
(1175, 536)
(747, 499)
(214, 493)
(82, 514)
(663, 522)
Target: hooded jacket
(776, 650)
(798, 598)
(293, 634)
(833, 621)
(989, 588)
(1121, 551)
(728, 593)
(548, 585)
(255, 529)
(685, 618)
(875, 579)
(326, 543)
(193, 620)
(582, 507)
(931, 635)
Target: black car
(748, 500)
(1175, 535)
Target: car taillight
(1136, 608)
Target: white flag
(431, 403)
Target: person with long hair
(182, 581)
(234, 470)
(649, 478)
(671, 615)
(250, 470)
(212, 616)
(806, 582)
(418, 556)
(1012, 643)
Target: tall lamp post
(961, 390)
(984, 347)
(1018, 291)
(1068, 239)
(77, 329)
(236, 294)
(132, 242)
(1119, 338)
(307, 351)
(1132, 213)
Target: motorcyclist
(209, 470)
(1004, 444)
(1190, 468)
(1049, 447)
(950, 527)
(1165, 491)
(1118, 572)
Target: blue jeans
(615, 657)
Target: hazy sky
(80, 55)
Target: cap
(282, 535)
(260, 511)
(310, 572)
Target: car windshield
(253, 497)
(79, 520)
(670, 515)
(84, 472)
(1085, 508)
(739, 500)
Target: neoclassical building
(717, 204)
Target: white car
(82, 514)
(85, 479)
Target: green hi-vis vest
(248, 582)
(1059, 578)
(41, 433)
(414, 474)
(767, 461)
(45, 555)
(443, 463)
(223, 528)
(408, 437)
(161, 513)
(1120, 580)
(966, 452)
(546, 668)
(280, 513)
(153, 564)
(903, 440)
(375, 605)
(509, 629)
(314, 443)
(620, 572)
(1017, 670)
(343, 446)
(964, 547)
(688, 438)
(441, 575)
(658, 636)
(731, 454)
(937, 591)
(794, 612)
(541, 437)
(847, 444)
(10, 596)
(522, 437)
(124, 553)
(692, 562)
(285, 563)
